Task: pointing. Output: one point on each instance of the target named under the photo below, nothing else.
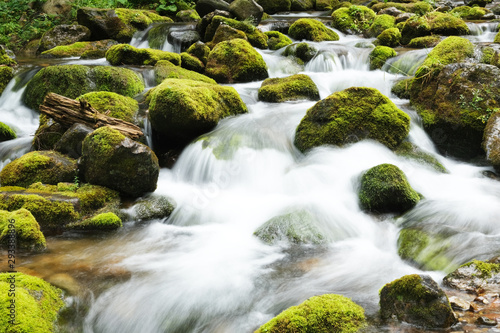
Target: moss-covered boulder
(110, 159)
(113, 104)
(277, 40)
(353, 19)
(6, 133)
(434, 23)
(224, 33)
(92, 50)
(417, 300)
(476, 277)
(48, 167)
(311, 29)
(200, 51)
(6, 57)
(248, 10)
(153, 207)
(187, 15)
(71, 141)
(381, 23)
(385, 189)
(274, 6)
(301, 52)
(255, 37)
(235, 61)
(350, 116)
(424, 42)
(468, 13)
(6, 74)
(184, 109)
(166, 70)
(75, 80)
(491, 140)
(295, 87)
(413, 152)
(125, 54)
(192, 63)
(20, 227)
(36, 303)
(63, 35)
(325, 313)
(390, 37)
(101, 222)
(379, 55)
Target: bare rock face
(63, 35)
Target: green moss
(189, 15)
(192, 63)
(27, 230)
(379, 56)
(468, 13)
(497, 38)
(5, 59)
(37, 303)
(39, 166)
(114, 105)
(411, 151)
(6, 74)
(384, 188)
(224, 33)
(311, 29)
(125, 54)
(101, 222)
(119, 80)
(299, 86)
(381, 23)
(104, 140)
(390, 37)
(424, 42)
(411, 243)
(166, 70)
(6, 133)
(352, 115)
(485, 269)
(354, 19)
(277, 40)
(140, 19)
(200, 51)
(319, 314)
(402, 88)
(77, 49)
(235, 61)
(255, 37)
(487, 55)
(434, 23)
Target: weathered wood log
(67, 112)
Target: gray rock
(71, 142)
(203, 7)
(63, 35)
(246, 9)
(393, 11)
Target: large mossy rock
(6, 74)
(225, 33)
(295, 87)
(350, 116)
(321, 314)
(6, 133)
(74, 80)
(277, 40)
(476, 277)
(110, 159)
(48, 167)
(181, 110)
(418, 300)
(389, 37)
(113, 104)
(300, 52)
(491, 140)
(235, 61)
(379, 55)
(37, 303)
(298, 227)
(71, 141)
(255, 37)
(101, 222)
(384, 188)
(246, 10)
(434, 23)
(63, 35)
(274, 6)
(353, 19)
(302, 5)
(380, 23)
(166, 70)
(311, 29)
(92, 50)
(125, 54)
(455, 100)
(26, 231)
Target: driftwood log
(67, 112)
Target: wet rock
(184, 38)
(188, 15)
(312, 30)
(434, 23)
(205, 21)
(63, 35)
(487, 321)
(203, 7)
(301, 51)
(166, 70)
(354, 19)
(403, 17)
(126, 54)
(85, 50)
(459, 304)
(246, 9)
(277, 40)
(413, 152)
(255, 37)
(295, 87)
(6, 133)
(491, 140)
(65, 282)
(418, 300)
(476, 277)
(302, 5)
(200, 51)
(153, 207)
(57, 7)
(70, 143)
(274, 6)
(225, 33)
(479, 3)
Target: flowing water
(203, 270)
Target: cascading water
(203, 270)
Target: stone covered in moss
(325, 313)
(475, 276)
(6, 133)
(350, 116)
(110, 159)
(6, 74)
(402, 88)
(26, 230)
(274, 6)
(255, 36)
(200, 51)
(295, 87)
(71, 141)
(48, 167)
(468, 13)
(379, 55)
(390, 37)
(353, 19)
(85, 49)
(192, 63)
(188, 15)
(385, 189)
(491, 140)
(74, 80)
(125, 54)
(311, 29)
(37, 303)
(298, 227)
(419, 7)
(63, 35)
(302, 52)
(235, 61)
(413, 152)
(434, 23)
(5, 59)
(184, 109)
(113, 104)
(424, 42)
(381, 23)
(418, 300)
(166, 70)
(224, 33)
(101, 222)
(153, 207)
(277, 40)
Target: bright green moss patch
(125, 54)
(389, 37)
(101, 222)
(140, 19)
(6, 133)
(402, 88)
(381, 23)
(119, 80)
(424, 42)
(6, 74)
(104, 140)
(295, 87)
(77, 49)
(5, 59)
(113, 104)
(277, 40)
(311, 29)
(319, 314)
(468, 13)
(301, 52)
(485, 269)
(433, 23)
(166, 70)
(379, 56)
(353, 19)
(255, 37)
(190, 62)
(27, 230)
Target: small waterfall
(406, 63)
(140, 38)
(482, 32)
